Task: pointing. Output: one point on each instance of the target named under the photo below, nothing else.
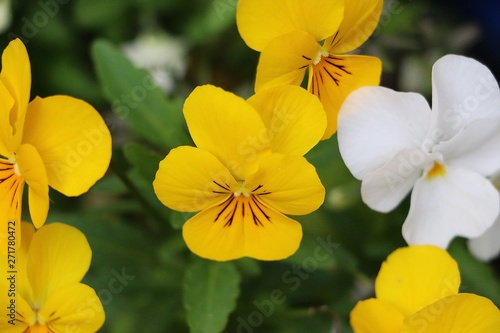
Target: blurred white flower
(161, 54)
(5, 15)
(487, 246)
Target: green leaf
(102, 12)
(208, 24)
(145, 160)
(145, 163)
(315, 254)
(177, 219)
(210, 293)
(136, 99)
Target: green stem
(156, 229)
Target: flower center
(243, 209)
(16, 166)
(38, 328)
(243, 205)
(242, 190)
(437, 170)
(321, 53)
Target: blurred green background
(141, 269)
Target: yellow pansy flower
(296, 35)
(58, 141)
(417, 291)
(246, 172)
(43, 293)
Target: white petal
(459, 203)
(476, 148)
(487, 246)
(383, 189)
(375, 123)
(462, 90)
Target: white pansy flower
(162, 55)
(394, 142)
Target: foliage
(146, 278)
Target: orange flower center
(242, 205)
(38, 328)
(437, 170)
(11, 183)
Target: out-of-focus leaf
(97, 13)
(150, 199)
(210, 292)
(144, 163)
(158, 6)
(135, 98)
(249, 266)
(143, 159)
(110, 185)
(209, 23)
(315, 252)
(177, 219)
(70, 78)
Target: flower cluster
(248, 169)
(59, 142)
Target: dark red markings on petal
(224, 187)
(333, 69)
(258, 187)
(243, 209)
(226, 206)
(259, 208)
(334, 41)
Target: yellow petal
(335, 77)
(360, 20)
(285, 59)
(294, 118)
(33, 171)
(462, 313)
(228, 127)
(11, 195)
(23, 284)
(191, 179)
(260, 21)
(59, 255)
(73, 308)
(242, 227)
(17, 257)
(7, 144)
(22, 316)
(375, 316)
(72, 140)
(288, 184)
(16, 76)
(413, 277)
